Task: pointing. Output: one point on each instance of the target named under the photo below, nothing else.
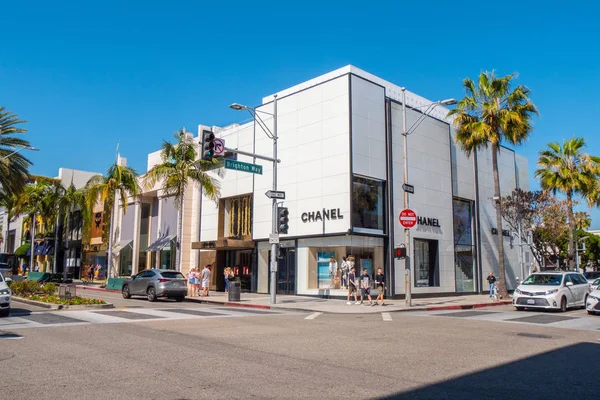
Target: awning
(161, 243)
(121, 245)
(39, 248)
(48, 248)
(224, 244)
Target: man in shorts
(352, 286)
(380, 281)
(205, 276)
(365, 284)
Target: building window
(427, 272)
(239, 213)
(464, 260)
(126, 261)
(368, 203)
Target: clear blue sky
(87, 75)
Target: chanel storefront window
(368, 203)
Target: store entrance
(286, 271)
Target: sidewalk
(331, 306)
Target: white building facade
(341, 149)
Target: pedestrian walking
(365, 287)
(344, 269)
(205, 276)
(380, 282)
(352, 286)
(492, 281)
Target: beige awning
(121, 245)
(223, 244)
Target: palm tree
(490, 113)
(8, 202)
(179, 167)
(567, 169)
(119, 182)
(14, 167)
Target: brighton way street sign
(408, 218)
(242, 166)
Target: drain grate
(534, 335)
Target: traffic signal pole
(275, 217)
(407, 270)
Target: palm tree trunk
(179, 233)
(110, 243)
(68, 232)
(55, 244)
(501, 271)
(31, 256)
(8, 217)
(571, 229)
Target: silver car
(155, 283)
(5, 295)
(552, 290)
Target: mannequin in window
(344, 272)
(333, 269)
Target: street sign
(242, 166)
(275, 194)
(408, 218)
(273, 238)
(219, 148)
(406, 187)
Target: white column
(137, 223)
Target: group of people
(339, 274)
(364, 284)
(199, 280)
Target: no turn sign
(219, 147)
(408, 218)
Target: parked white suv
(5, 296)
(552, 290)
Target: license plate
(530, 301)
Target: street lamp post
(405, 133)
(274, 225)
(18, 150)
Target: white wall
(368, 129)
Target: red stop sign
(408, 218)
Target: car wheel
(591, 312)
(151, 294)
(520, 308)
(125, 291)
(4, 313)
(563, 304)
(585, 301)
(179, 299)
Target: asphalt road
(400, 355)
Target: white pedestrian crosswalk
(83, 317)
(574, 319)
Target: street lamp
(274, 226)
(18, 150)
(405, 133)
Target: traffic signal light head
(283, 220)
(401, 252)
(208, 145)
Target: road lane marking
(313, 315)
(386, 316)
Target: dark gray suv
(155, 283)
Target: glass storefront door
(464, 252)
(286, 271)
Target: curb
(62, 306)
(97, 289)
(464, 306)
(230, 303)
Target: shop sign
(426, 221)
(505, 232)
(313, 216)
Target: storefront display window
(125, 261)
(463, 246)
(368, 204)
(427, 273)
(95, 264)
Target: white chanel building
(341, 147)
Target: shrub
(32, 288)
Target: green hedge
(26, 288)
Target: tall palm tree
(119, 182)
(567, 169)
(14, 167)
(490, 113)
(180, 166)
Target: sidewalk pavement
(336, 306)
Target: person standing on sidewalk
(492, 281)
(352, 286)
(380, 281)
(227, 276)
(365, 284)
(205, 274)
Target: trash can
(235, 287)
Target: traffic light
(283, 215)
(208, 145)
(401, 252)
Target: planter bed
(54, 306)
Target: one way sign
(274, 194)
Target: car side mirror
(569, 284)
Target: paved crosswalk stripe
(386, 316)
(313, 315)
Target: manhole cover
(534, 335)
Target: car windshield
(549, 280)
(596, 282)
(172, 275)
